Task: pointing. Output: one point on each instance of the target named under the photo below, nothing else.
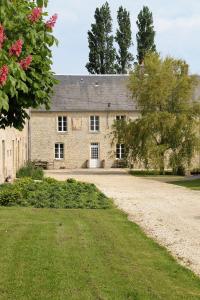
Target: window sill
(58, 159)
(94, 132)
(62, 132)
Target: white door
(94, 156)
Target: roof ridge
(93, 75)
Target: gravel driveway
(170, 214)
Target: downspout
(29, 136)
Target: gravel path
(170, 214)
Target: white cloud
(184, 23)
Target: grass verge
(85, 254)
(193, 184)
(144, 173)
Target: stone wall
(13, 151)
(76, 140)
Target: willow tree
(165, 133)
(26, 78)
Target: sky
(176, 22)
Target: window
(94, 123)
(120, 118)
(59, 151)
(120, 151)
(62, 124)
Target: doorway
(94, 155)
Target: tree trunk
(162, 164)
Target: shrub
(180, 171)
(31, 171)
(49, 180)
(11, 197)
(195, 171)
(51, 193)
(71, 180)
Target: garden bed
(50, 193)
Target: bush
(31, 171)
(50, 193)
(195, 171)
(11, 197)
(180, 171)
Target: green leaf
(40, 3)
(25, 88)
(4, 101)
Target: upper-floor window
(59, 151)
(94, 123)
(120, 117)
(62, 124)
(120, 151)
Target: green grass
(192, 184)
(85, 254)
(144, 173)
(154, 175)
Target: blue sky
(177, 25)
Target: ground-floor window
(59, 151)
(120, 151)
(121, 118)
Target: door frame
(95, 162)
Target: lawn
(154, 175)
(193, 184)
(84, 254)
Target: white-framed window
(62, 123)
(94, 123)
(120, 117)
(59, 151)
(120, 151)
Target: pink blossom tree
(26, 78)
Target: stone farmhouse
(13, 151)
(76, 131)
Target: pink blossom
(25, 63)
(3, 75)
(52, 21)
(35, 14)
(16, 48)
(2, 36)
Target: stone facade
(75, 100)
(13, 151)
(77, 140)
(81, 101)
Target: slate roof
(91, 93)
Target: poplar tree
(146, 34)
(102, 53)
(124, 41)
